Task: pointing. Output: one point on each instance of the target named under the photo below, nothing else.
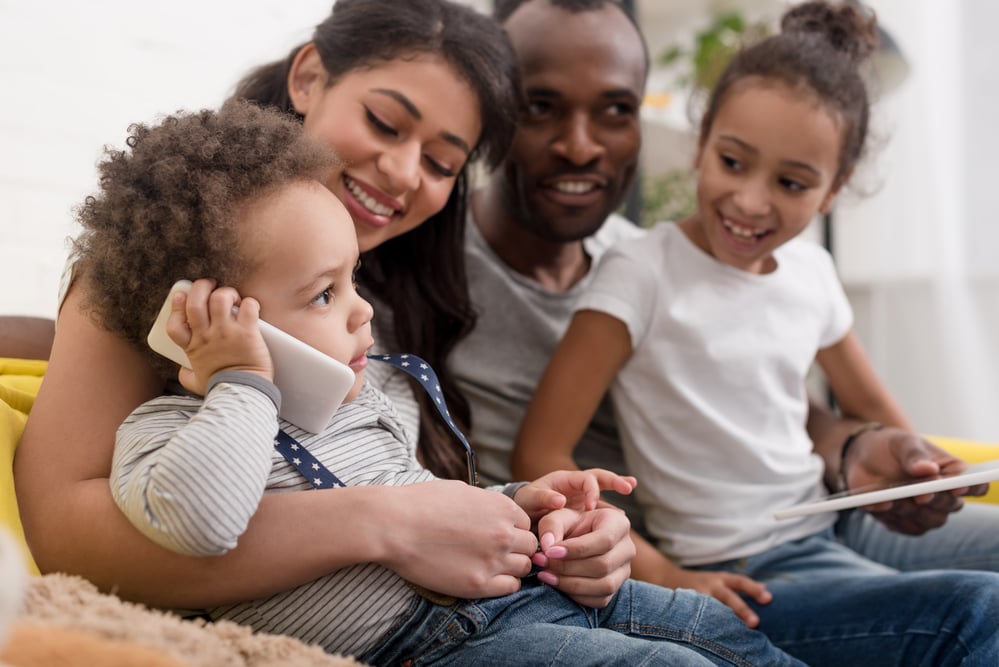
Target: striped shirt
(189, 473)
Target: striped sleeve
(190, 474)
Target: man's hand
(726, 587)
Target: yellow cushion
(972, 452)
(19, 382)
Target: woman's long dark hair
(420, 276)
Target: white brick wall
(73, 75)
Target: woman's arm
(95, 380)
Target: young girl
(238, 195)
(703, 331)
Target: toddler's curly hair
(169, 207)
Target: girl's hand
(573, 489)
(457, 539)
(725, 587)
(893, 454)
(203, 323)
(586, 554)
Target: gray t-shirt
(499, 364)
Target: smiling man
(542, 220)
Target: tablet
(312, 384)
(977, 474)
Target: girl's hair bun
(849, 27)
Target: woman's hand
(586, 552)
(586, 555)
(457, 539)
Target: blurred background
(914, 241)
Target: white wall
(916, 243)
(920, 257)
(73, 75)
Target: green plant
(713, 47)
(670, 196)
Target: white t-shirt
(712, 404)
(499, 363)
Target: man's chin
(568, 229)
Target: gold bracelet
(854, 434)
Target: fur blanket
(59, 620)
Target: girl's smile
(767, 168)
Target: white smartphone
(312, 384)
(976, 474)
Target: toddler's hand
(573, 489)
(214, 337)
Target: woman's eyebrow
(401, 99)
(413, 111)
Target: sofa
(83, 626)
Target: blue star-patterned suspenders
(322, 478)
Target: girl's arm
(592, 351)
(94, 380)
(876, 456)
(858, 390)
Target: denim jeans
(968, 541)
(832, 606)
(643, 625)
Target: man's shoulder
(614, 230)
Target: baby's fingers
(177, 327)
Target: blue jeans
(832, 606)
(968, 541)
(643, 625)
